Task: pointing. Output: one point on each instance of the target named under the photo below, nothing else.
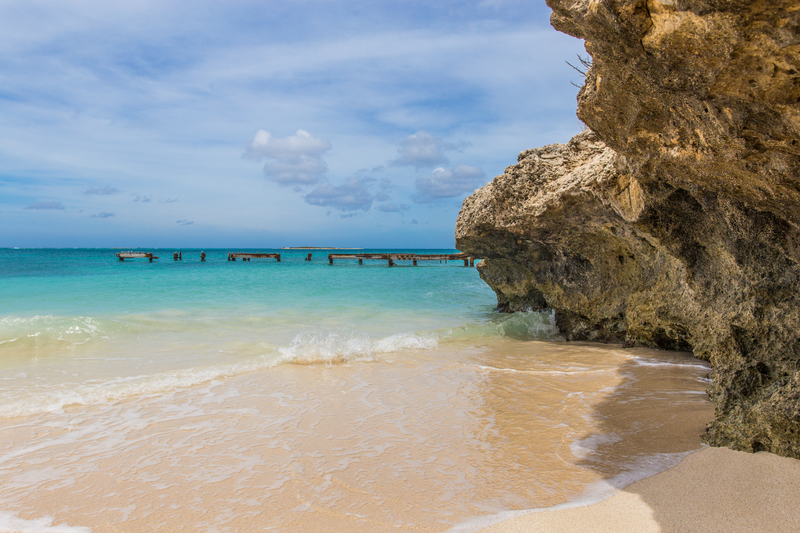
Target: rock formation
(674, 220)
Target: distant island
(317, 248)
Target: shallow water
(301, 396)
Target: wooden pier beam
(133, 255)
(247, 256)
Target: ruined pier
(392, 258)
(248, 256)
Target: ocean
(301, 396)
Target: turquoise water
(79, 327)
(80, 282)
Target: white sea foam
(405, 341)
(520, 325)
(73, 331)
(641, 361)
(585, 447)
(308, 348)
(348, 347)
(9, 523)
(568, 372)
(117, 389)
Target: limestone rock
(675, 220)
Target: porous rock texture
(673, 220)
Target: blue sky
(268, 124)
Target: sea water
(302, 396)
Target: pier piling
(245, 256)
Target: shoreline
(710, 490)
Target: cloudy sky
(268, 123)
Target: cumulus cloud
(293, 160)
(420, 150)
(103, 214)
(185, 222)
(352, 195)
(46, 205)
(102, 191)
(391, 208)
(447, 183)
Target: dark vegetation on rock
(674, 221)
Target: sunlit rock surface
(673, 221)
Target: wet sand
(420, 440)
(714, 490)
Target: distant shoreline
(317, 248)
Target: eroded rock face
(673, 222)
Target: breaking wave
(328, 348)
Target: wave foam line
(11, 523)
(594, 492)
(544, 372)
(125, 387)
(306, 349)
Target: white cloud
(353, 195)
(103, 214)
(293, 160)
(447, 183)
(421, 150)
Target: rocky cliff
(673, 221)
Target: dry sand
(716, 489)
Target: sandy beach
(715, 489)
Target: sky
(268, 123)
